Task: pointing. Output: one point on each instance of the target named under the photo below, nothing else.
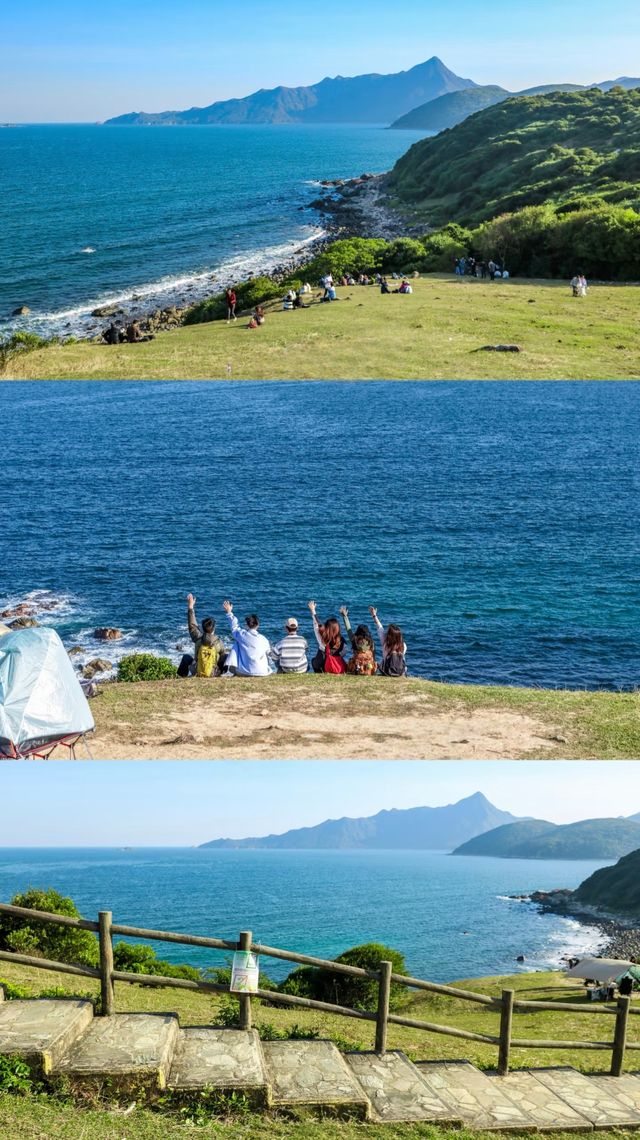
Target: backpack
(363, 663)
(394, 665)
(207, 660)
(333, 664)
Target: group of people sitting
(251, 654)
(131, 334)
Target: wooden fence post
(384, 993)
(506, 1020)
(620, 1036)
(244, 943)
(107, 993)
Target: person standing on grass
(232, 301)
(394, 650)
(363, 661)
(290, 654)
(249, 656)
(331, 645)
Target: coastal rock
(107, 633)
(21, 610)
(75, 650)
(23, 623)
(21, 311)
(105, 311)
(98, 665)
(559, 899)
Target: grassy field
(38, 1117)
(316, 717)
(433, 335)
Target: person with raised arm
(363, 660)
(249, 655)
(394, 649)
(331, 644)
(208, 650)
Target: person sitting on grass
(257, 318)
(394, 650)
(405, 286)
(290, 654)
(384, 286)
(249, 655)
(331, 645)
(208, 650)
(363, 661)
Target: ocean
(323, 902)
(497, 523)
(91, 215)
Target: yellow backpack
(207, 660)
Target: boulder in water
(105, 311)
(21, 311)
(23, 623)
(21, 610)
(107, 633)
(98, 665)
(75, 650)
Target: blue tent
(41, 702)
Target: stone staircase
(146, 1055)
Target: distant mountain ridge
(539, 839)
(421, 829)
(359, 99)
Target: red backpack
(333, 664)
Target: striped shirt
(290, 654)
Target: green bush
(44, 940)
(348, 255)
(137, 958)
(20, 342)
(339, 989)
(145, 667)
(255, 291)
(403, 255)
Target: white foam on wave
(167, 290)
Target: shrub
(403, 255)
(349, 255)
(145, 667)
(255, 291)
(15, 1076)
(44, 940)
(137, 958)
(20, 342)
(339, 989)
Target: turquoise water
(168, 213)
(497, 523)
(322, 902)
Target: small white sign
(244, 972)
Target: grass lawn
(34, 1118)
(329, 717)
(433, 335)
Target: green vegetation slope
(614, 888)
(563, 147)
(533, 839)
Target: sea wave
(180, 290)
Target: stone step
(397, 1091)
(42, 1031)
(547, 1111)
(625, 1088)
(128, 1052)
(223, 1060)
(476, 1099)
(603, 1109)
(313, 1075)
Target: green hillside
(535, 839)
(526, 151)
(505, 841)
(614, 888)
(450, 109)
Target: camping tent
(41, 701)
(602, 970)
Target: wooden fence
(505, 1005)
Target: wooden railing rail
(506, 1005)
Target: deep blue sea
(497, 523)
(322, 902)
(90, 214)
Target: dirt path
(238, 722)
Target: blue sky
(71, 61)
(187, 803)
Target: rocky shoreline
(621, 934)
